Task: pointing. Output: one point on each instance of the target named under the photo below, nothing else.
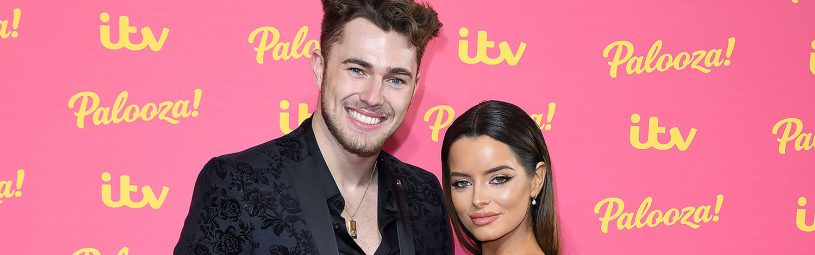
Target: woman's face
(490, 189)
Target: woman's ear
(317, 67)
(538, 179)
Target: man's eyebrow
(359, 62)
(400, 71)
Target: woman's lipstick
(483, 218)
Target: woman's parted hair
(509, 125)
(418, 21)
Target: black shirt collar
(325, 180)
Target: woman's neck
(520, 240)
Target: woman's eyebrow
(488, 171)
(498, 168)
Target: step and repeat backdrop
(675, 127)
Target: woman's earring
(534, 202)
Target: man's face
(367, 84)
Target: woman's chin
(486, 235)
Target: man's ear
(538, 179)
(317, 67)
(416, 84)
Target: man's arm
(214, 224)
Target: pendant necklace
(352, 226)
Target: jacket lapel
(404, 226)
(313, 204)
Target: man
(327, 187)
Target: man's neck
(350, 171)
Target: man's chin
(361, 140)
(362, 147)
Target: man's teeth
(363, 118)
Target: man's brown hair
(418, 21)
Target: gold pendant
(353, 229)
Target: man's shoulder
(257, 168)
(244, 201)
(291, 146)
(263, 162)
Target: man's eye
(396, 81)
(460, 184)
(356, 71)
(501, 179)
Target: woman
(497, 169)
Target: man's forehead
(362, 39)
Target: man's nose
(372, 93)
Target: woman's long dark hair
(510, 125)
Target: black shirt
(387, 213)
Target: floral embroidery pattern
(244, 203)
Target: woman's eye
(501, 179)
(460, 184)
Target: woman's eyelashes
(497, 180)
(461, 184)
(500, 179)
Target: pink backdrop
(728, 93)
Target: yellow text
(482, 45)
(549, 116)
(12, 189)
(148, 197)
(812, 58)
(281, 50)
(169, 111)
(441, 116)
(622, 52)
(612, 209)
(148, 39)
(654, 130)
(801, 215)
(92, 251)
(5, 32)
(792, 128)
(444, 117)
(285, 120)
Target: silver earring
(534, 202)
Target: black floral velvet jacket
(265, 200)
